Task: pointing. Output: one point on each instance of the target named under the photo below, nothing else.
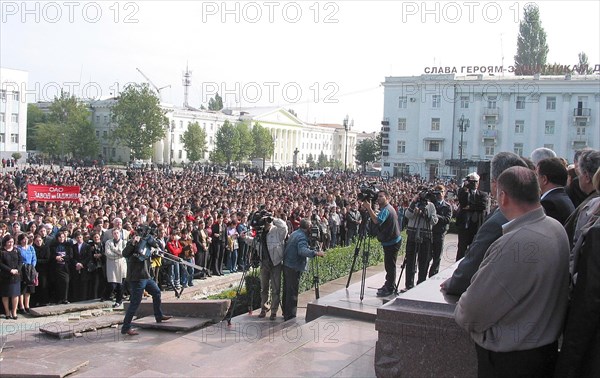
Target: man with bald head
(516, 304)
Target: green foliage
(215, 103)
(583, 66)
(246, 141)
(141, 121)
(227, 144)
(249, 296)
(368, 151)
(66, 130)
(310, 161)
(263, 142)
(194, 142)
(322, 162)
(532, 48)
(16, 155)
(35, 116)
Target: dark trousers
(217, 258)
(112, 287)
(41, 296)
(137, 290)
(79, 285)
(465, 238)
(416, 250)
(532, 363)
(291, 285)
(97, 283)
(61, 285)
(390, 256)
(437, 243)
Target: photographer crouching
(269, 245)
(388, 234)
(138, 254)
(295, 261)
(421, 215)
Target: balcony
(489, 134)
(385, 129)
(385, 141)
(491, 113)
(433, 155)
(582, 112)
(385, 122)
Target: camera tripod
(363, 243)
(255, 247)
(418, 243)
(315, 270)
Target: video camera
(315, 234)
(259, 219)
(147, 242)
(426, 196)
(368, 192)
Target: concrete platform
(175, 324)
(72, 328)
(40, 368)
(206, 309)
(71, 307)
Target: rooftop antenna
(187, 83)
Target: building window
(549, 146)
(492, 102)
(2, 138)
(520, 102)
(401, 124)
(401, 147)
(97, 119)
(14, 138)
(105, 119)
(580, 130)
(2, 119)
(436, 101)
(104, 134)
(464, 102)
(14, 118)
(519, 126)
(113, 152)
(579, 145)
(204, 126)
(518, 149)
(16, 96)
(549, 127)
(3, 94)
(435, 124)
(402, 102)
(434, 146)
(97, 134)
(489, 147)
(210, 140)
(211, 127)
(551, 103)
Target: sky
(323, 59)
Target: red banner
(52, 193)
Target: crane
(154, 85)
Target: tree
(194, 142)
(227, 144)
(35, 116)
(532, 48)
(310, 160)
(292, 112)
(141, 121)
(215, 103)
(263, 143)
(246, 141)
(367, 151)
(583, 66)
(67, 129)
(322, 161)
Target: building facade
(13, 113)
(443, 125)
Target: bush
(249, 296)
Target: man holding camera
(388, 234)
(422, 216)
(439, 230)
(271, 239)
(295, 261)
(471, 212)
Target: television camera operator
(422, 216)
(388, 232)
(138, 275)
(444, 213)
(297, 250)
(472, 206)
(271, 233)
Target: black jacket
(558, 205)
(8, 261)
(580, 352)
(136, 269)
(444, 213)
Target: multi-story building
(13, 113)
(442, 125)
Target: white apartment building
(431, 122)
(13, 113)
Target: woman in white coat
(116, 267)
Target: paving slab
(69, 328)
(208, 309)
(35, 367)
(67, 308)
(174, 324)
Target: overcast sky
(323, 59)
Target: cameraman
(388, 234)
(421, 217)
(472, 204)
(271, 241)
(295, 262)
(439, 230)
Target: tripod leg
(356, 251)
(365, 262)
(400, 276)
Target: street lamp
(347, 126)
(463, 125)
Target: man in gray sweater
(515, 307)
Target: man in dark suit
(439, 230)
(471, 212)
(490, 230)
(80, 258)
(552, 177)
